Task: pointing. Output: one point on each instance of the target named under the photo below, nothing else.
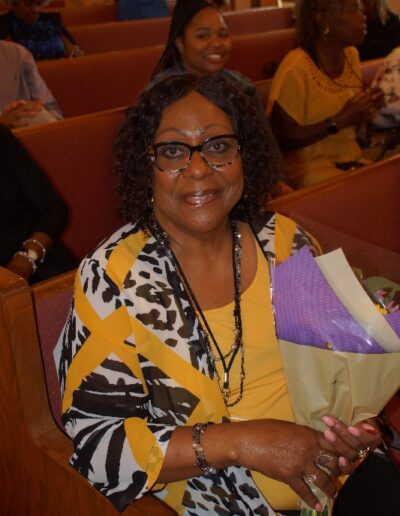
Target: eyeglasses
(173, 157)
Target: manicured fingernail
(330, 436)
(369, 428)
(328, 421)
(342, 462)
(354, 431)
(318, 507)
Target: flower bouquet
(341, 355)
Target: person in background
(40, 32)
(169, 362)
(383, 30)
(24, 97)
(128, 10)
(32, 216)
(317, 98)
(199, 42)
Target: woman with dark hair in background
(169, 363)
(198, 42)
(318, 98)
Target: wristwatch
(331, 126)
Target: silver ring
(363, 452)
(323, 458)
(309, 478)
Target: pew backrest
(86, 14)
(120, 35)
(103, 81)
(258, 20)
(362, 204)
(257, 55)
(76, 155)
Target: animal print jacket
(133, 366)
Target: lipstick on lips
(200, 197)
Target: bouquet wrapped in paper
(341, 354)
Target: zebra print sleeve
(119, 438)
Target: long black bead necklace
(163, 240)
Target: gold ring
(309, 478)
(363, 452)
(323, 458)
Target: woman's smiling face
(199, 198)
(205, 45)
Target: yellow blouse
(309, 96)
(265, 394)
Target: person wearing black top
(32, 216)
(383, 30)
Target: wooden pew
(34, 452)
(85, 14)
(257, 55)
(258, 20)
(120, 35)
(112, 79)
(105, 37)
(102, 81)
(357, 207)
(76, 155)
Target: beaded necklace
(321, 66)
(227, 359)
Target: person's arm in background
(47, 207)
(357, 110)
(37, 87)
(19, 113)
(71, 46)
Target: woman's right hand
(358, 109)
(18, 113)
(287, 452)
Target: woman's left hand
(359, 440)
(75, 51)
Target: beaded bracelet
(201, 463)
(31, 260)
(38, 243)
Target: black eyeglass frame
(193, 148)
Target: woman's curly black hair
(259, 152)
(184, 12)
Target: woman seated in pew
(317, 98)
(169, 363)
(25, 98)
(32, 216)
(41, 33)
(198, 42)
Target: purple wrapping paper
(308, 312)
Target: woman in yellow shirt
(317, 96)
